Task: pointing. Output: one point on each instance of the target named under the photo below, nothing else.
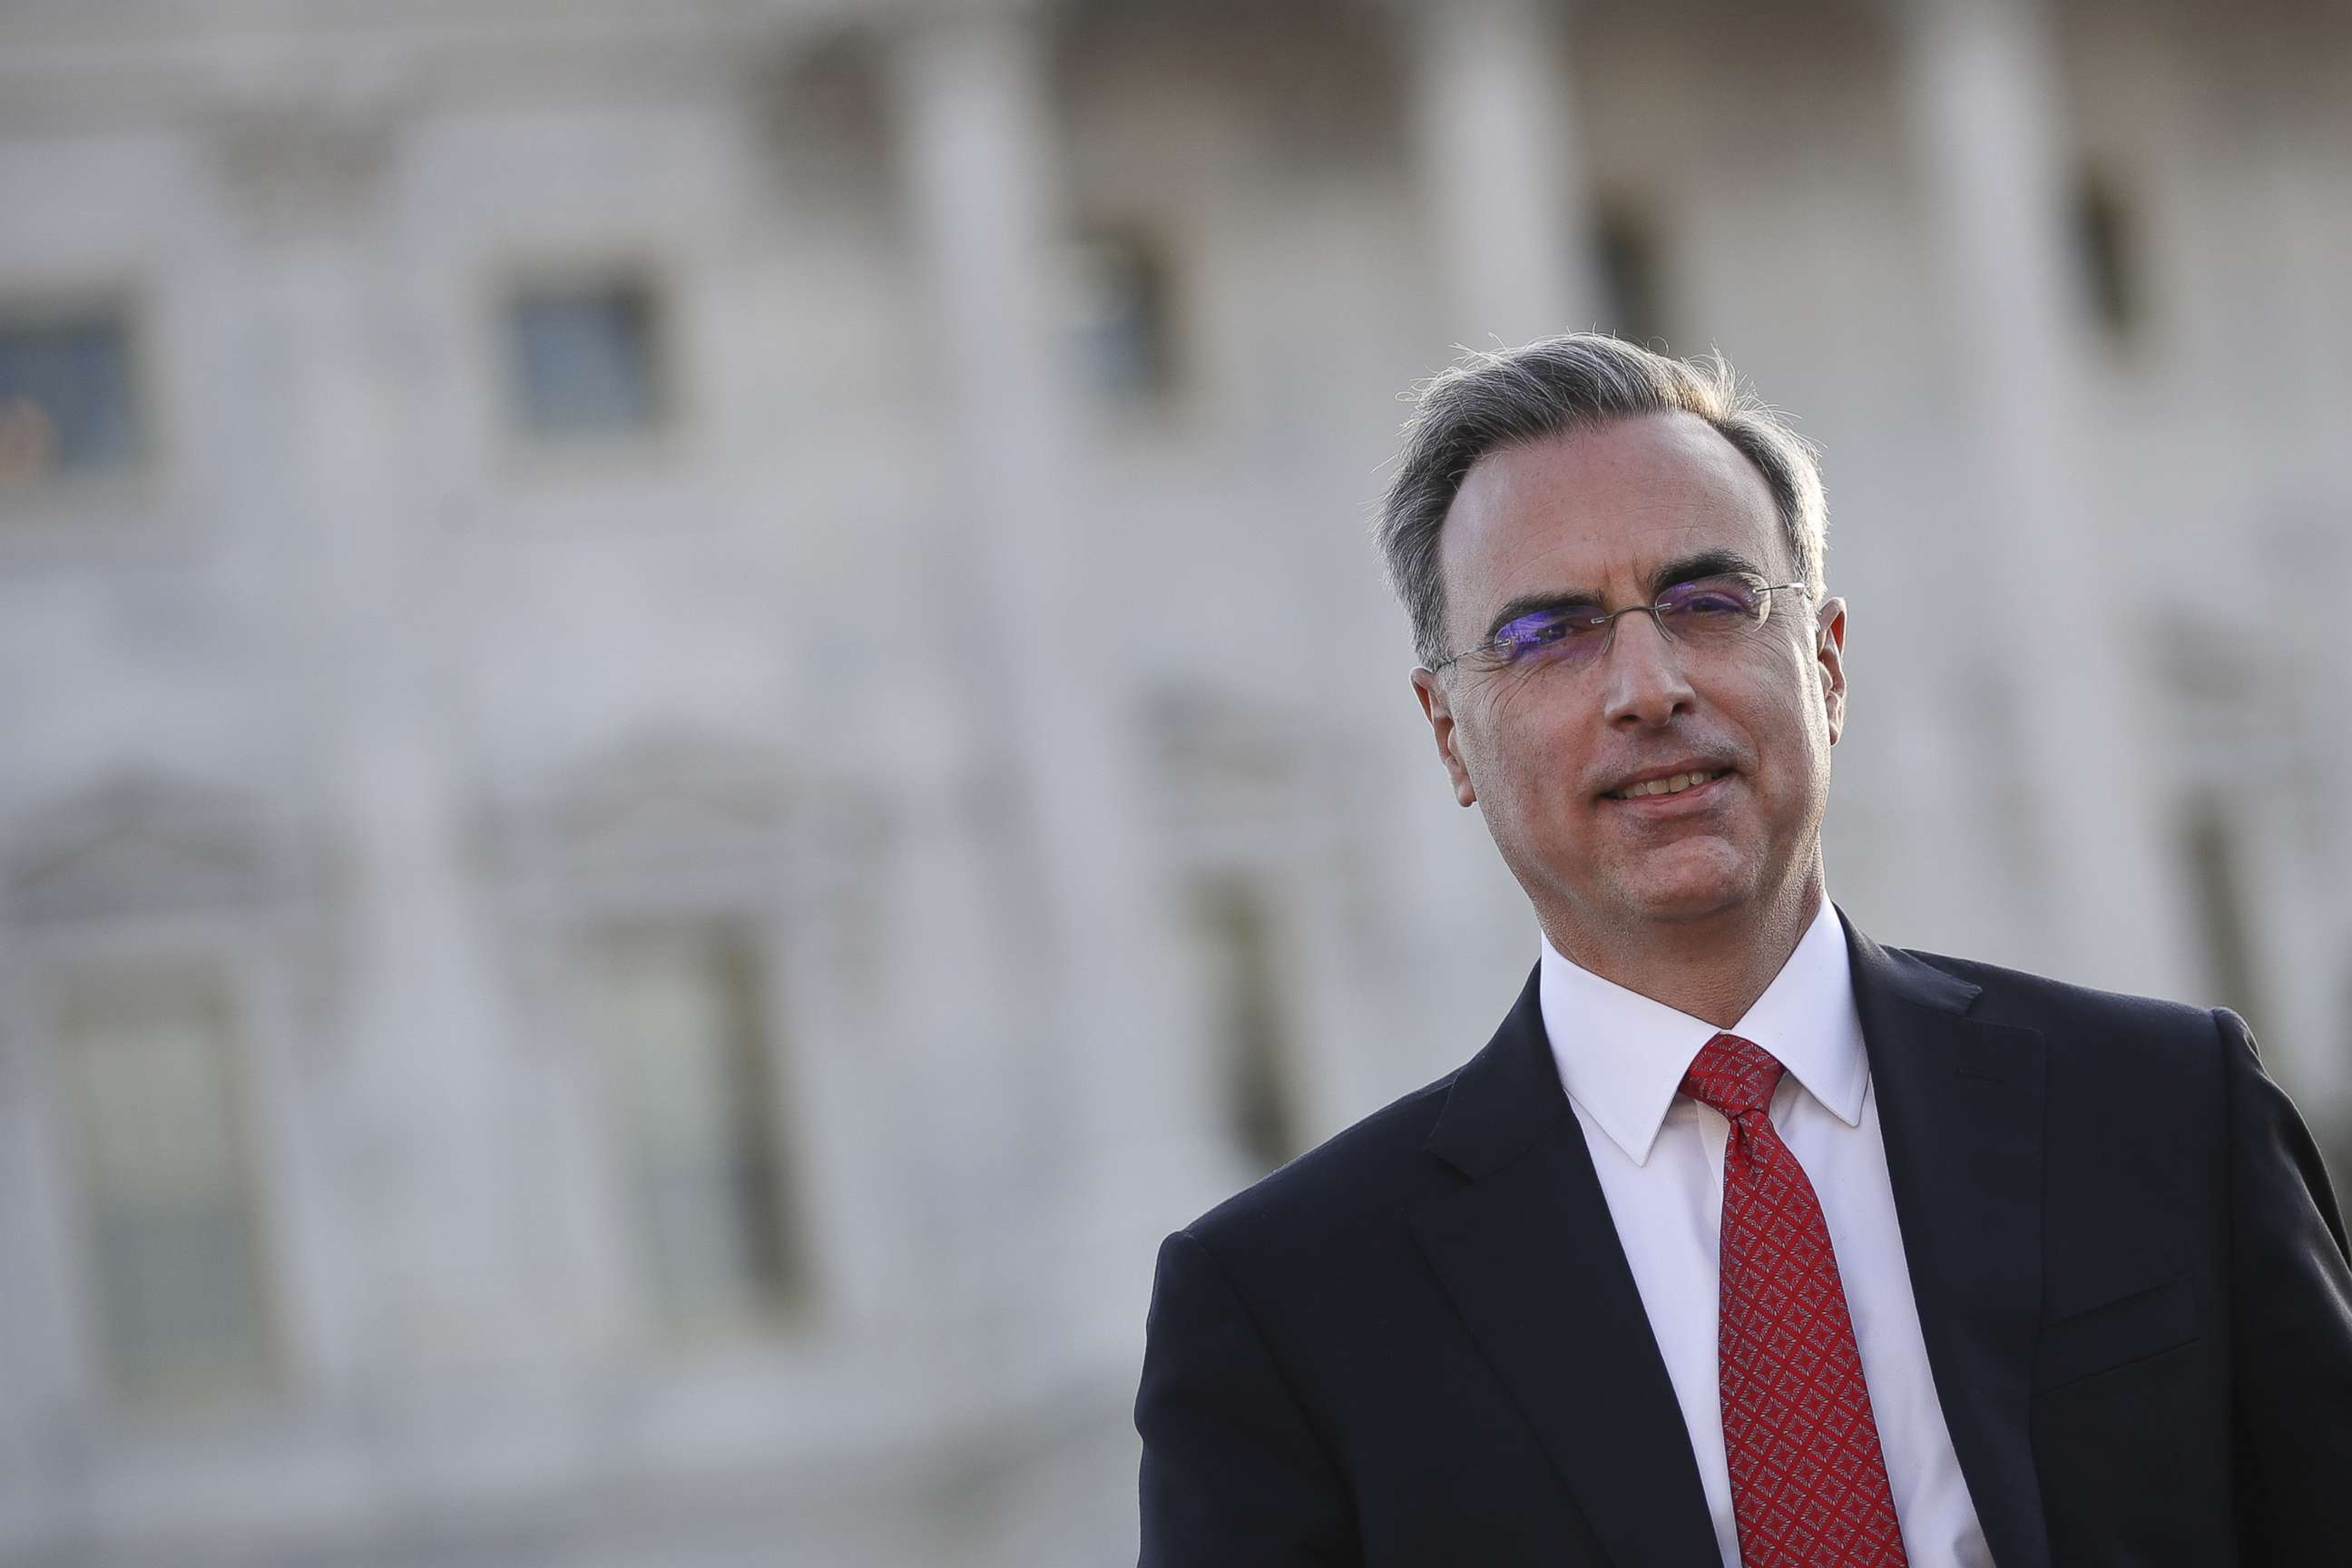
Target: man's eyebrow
(1682, 569)
(1536, 603)
(1704, 563)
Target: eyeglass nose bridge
(1657, 618)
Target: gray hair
(1553, 386)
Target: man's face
(1614, 516)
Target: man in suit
(1744, 1240)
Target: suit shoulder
(2060, 1009)
(1367, 1168)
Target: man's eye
(1533, 633)
(1710, 600)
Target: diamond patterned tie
(1808, 1482)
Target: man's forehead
(1612, 500)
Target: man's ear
(1829, 627)
(1433, 706)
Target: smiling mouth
(1673, 785)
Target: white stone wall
(944, 673)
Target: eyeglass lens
(1703, 612)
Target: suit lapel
(1960, 1106)
(1529, 1257)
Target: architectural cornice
(76, 66)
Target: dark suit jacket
(1420, 1343)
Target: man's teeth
(1674, 785)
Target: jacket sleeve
(2292, 1315)
(1233, 1475)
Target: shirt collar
(1622, 1056)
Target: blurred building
(694, 718)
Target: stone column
(2103, 904)
(1503, 186)
(1042, 676)
(360, 662)
(1494, 116)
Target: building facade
(695, 717)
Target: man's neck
(1711, 969)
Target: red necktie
(1808, 1482)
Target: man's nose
(1642, 674)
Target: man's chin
(1692, 909)
(1706, 887)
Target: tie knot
(1733, 1075)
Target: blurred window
(2105, 249)
(684, 1010)
(67, 406)
(150, 1070)
(587, 358)
(1626, 246)
(1121, 310)
(1235, 937)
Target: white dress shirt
(1660, 1159)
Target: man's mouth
(1674, 784)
